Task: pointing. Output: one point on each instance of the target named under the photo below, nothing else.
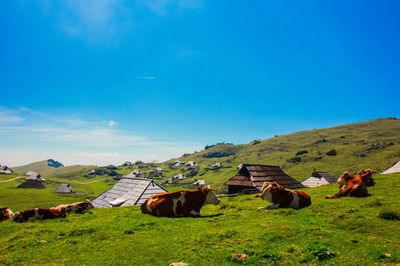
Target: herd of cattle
(187, 203)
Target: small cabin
(319, 178)
(251, 177)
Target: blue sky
(106, 81)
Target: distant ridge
(38, 167)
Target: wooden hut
(32, 184)
(251, 177)
(65, 188)
(128, 192)
(319, 178)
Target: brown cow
(352, 185)
(281, 197)
(39, 213)
(5, 214)
(180, 203)
(78, 207)
(366, 176)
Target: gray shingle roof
(128, 192)
(319, 178)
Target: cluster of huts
(5, 170)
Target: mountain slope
(38, 167)
(372, 144)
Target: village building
(179, 177)
(36, 177)
(170, 181)
(65, 188)
(32, 184)
(251, 177)
(200, 183)
(394, 169)
(319, 178)
(127, 163)
(5, 170)
(128, 192)
(216, 166)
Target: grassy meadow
(345, 231)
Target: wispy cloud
(25, 130)
(143, 77)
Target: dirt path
(12, 179)
(84, 183)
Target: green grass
(345, 231)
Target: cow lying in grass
(354, 185)
(281, 197)
(38, 213)
(5, 214)
(79, 207)
(366, 176)
(181, 203)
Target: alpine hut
(65, 188)
(127, 192)
(319, 178)
(32, 184)
(394, 169)
(251, 177)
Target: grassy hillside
(372, 144)
(346, 231)
(38, 167)
(68, 171)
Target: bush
(389, 214)
(294, 160)
(331, 153)
(255, 142)
(301, 152)
(216, 154)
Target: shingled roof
(253, 176)
(319, 178)
(127, 192)
(65, 188)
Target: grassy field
(20, 199)
(346, 231)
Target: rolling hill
(372, 144)
(38, 167)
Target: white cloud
(29, 136)
(17, 158)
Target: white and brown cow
(281, 197)
(78, 207)
(38, 213)
(5, 214)
(180, 203)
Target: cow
(78, 207)
(352, 185)
(5, 214)
(366, 176)
(281, 197)
(39, 213)
(183, 203)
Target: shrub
(301, 152)
(389, 214)
(255, 142)
(216, 154)
(294, 160)
(322, 253)
(331, 152)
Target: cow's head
(89, 205)
(366, 177)
(211, 197)
(268, 189)
(344, 178)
